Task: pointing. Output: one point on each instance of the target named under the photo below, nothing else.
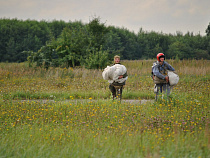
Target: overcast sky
(166, 16)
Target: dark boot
(113, 90)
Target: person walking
(112, 85)
(160, 75)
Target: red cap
(160, 55)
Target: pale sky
(166, 16)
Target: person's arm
(123, 76)
(157, 73)
(169, 67)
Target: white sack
(108, 72)
(111, 73)
(173, 78)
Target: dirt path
(137, 101)
(75, 101)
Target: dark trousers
(113, 90)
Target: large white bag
(108, 72)
(173, 78)
(111, 73)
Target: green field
(63, 112)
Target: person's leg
(113, 90)
(166, 89)
(156, 91)
(159, 90)
(121, 89)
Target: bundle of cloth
(173, 78)
(111, 73)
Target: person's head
(116, 59)
(160, 57)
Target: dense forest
(93, 45)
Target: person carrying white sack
(116, 76)
(160, 74)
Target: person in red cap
(160, 75)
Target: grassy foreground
(178, 127)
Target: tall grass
(99, 127)
(104, 129)
(21, 82)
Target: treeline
(54, 43)
(17, 36)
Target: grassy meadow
(63, 112)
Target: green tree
(11, 51)
(208, 30)
(97, 59)
(157, 49)
(113, 44)
(72, 45)
(97, 31)
(201, 54)
(180, 50)
(129, 43)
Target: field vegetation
(67, 112)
